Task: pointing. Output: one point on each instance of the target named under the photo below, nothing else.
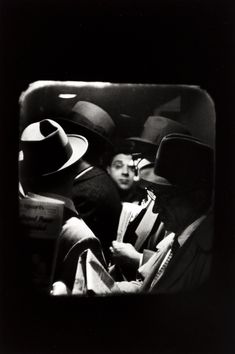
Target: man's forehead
(123, 158)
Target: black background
(161, 42)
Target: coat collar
(182, 238)
(204, 233)
(89, 173)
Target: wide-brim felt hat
(47, 149)
(90, 120)
(154, 130)
(182, 161)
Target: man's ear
(108, 169)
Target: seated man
(94, 194)
(146, 230)
(182, 181)
(48, 167)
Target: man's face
(173, 209)
(122, 171)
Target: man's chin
(124, 186)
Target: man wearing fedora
(94, 193)
(181, 184)
(154, 130)
(146, 230)
(47, 168)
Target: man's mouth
(124, 181)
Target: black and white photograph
(117, 146)
(103, 171)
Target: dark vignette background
(161, 42)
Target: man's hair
(120, 147)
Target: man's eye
(117, 165)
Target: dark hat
(91, 119)
(154, 130)
(182, 161)
(47, 149)
(123, 146)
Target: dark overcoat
(98, 203)
(190, 267)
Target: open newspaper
(41, 220)
(41, 216)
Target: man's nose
(125, 170)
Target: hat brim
(149, 178)
(145, 141)
(68, 125)
(79, 146)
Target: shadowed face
(174, 208)
(122, 171)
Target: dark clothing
(150, 243)
(131, 237)
(134, 195)
(75, 237)
(188, 269)
(55, 259)
(191, 265)
(97, 200)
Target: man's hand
(125, 253)
(59, 288)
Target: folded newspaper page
(128, 214)
(92, 277)
(41, 221)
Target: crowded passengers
(140, 220)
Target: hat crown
(94, 118)
(46, 147)
(43, 130)
(184, 161)
(154, 130)
(156, 127)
